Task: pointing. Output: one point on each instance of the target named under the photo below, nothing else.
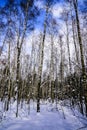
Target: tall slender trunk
(19, 47)
(74, 41)
(68, 47)
(69, 58)
(61, 66)
(81, 54)
(51, 71)
(9, 84)
(17, 76)
(41, 64)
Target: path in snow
(46, 120)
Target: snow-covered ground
(48, 119)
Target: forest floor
(48, 119)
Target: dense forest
(43, 53)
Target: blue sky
(2, 2)
(58, 7)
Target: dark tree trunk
(82, 56)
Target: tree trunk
(81, 53)
(41, 64)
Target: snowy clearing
(48, 119)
